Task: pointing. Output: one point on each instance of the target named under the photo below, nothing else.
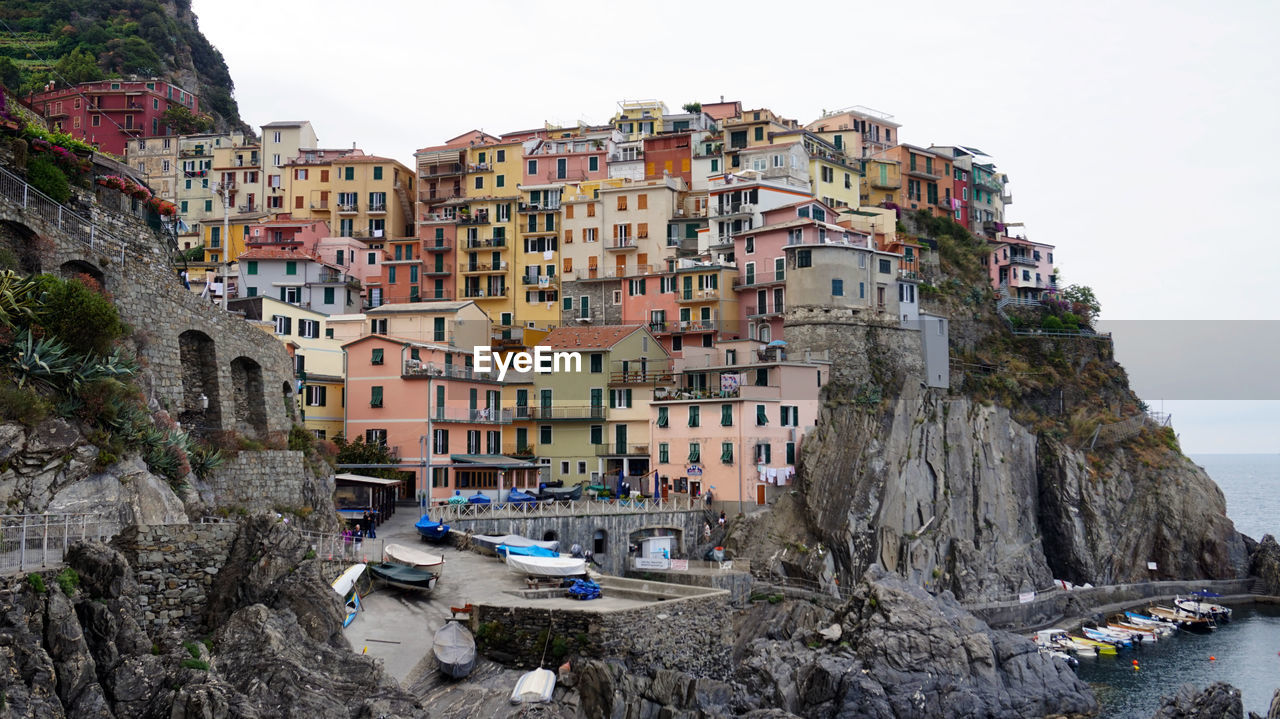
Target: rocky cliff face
(277, 649)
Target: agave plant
(44, 361)
(16, 300)
(205, 460)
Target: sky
(1139, 137)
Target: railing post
(25, 188)
(66, 531)
(22, 549)
(44, 543)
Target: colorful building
(927, 181)
(1022, 267)
(109, 113)
(156, 159)
(298, 278)
(858, 131)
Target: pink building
(650, 300)
(734, 422)
(569, 159)
(109, 113)
(284, 232)
(1024, 267)
(424, 402)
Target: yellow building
(705, 297)
(220, 248)
(882, 182)
(317, 360)
(486, 219)
(637, 119)
(362, 196)
(537, 256)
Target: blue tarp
(430, 529)
(516, 497)
(478, 498)
(504, 549)
(1205, 593)
(584, 589)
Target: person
(357, 536)
(373, 521)
(722, 519)
(706, 531)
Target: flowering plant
(65, 158)
(126, 186)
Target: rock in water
(913, 655)
(1265, 565)
(1218, 701)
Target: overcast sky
(1139, 137)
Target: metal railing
(78, 228)
(577, 508)
(336, 547)
(30, 541)
(613, 449)
(759, 278)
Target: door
(688, 287)
(760, 494)
(620, 439)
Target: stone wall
(863, 349)
(691, 635)
(265, 480)
(738, 584)
(602, 309)
(175, 566)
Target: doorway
(760, 494)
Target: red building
(669, 155)
(109, 113)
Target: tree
(1083, 301)
(360, 452)
(78, 66)
(10, 74)
(185, 122)
(693, 107)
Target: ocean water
(1246, 652)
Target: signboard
(1026, 597)
(1151, 566)
(653, 563)
(680, 565)
(693, 470)
(727, 564)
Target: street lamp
(204, 401)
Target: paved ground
(397, 625)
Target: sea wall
(175, 566)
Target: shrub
(192, 648)
(195, 664)
(301, 439)
(45, 176)
(69, 581)
(1051, 323)
(37, 583)
(23, 404)
(83, 319)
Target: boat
(560, 494)
(404, 576)
(400, 554)
(1200, 608)
(1112, 638)
(346, 585)
(1060, 655)
(492, 541)
(516, 496)
(1142, 620)
(1184, 620)
(455, 650)
(1058, 639)
(504, 550)
(431, 531)
(547, 566)
(1146, 636)
(534, 687)
(478, 498)
(1103, 648)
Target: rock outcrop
(905, 653)
(1216, 701)
(1265, 565)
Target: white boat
(400, 554)
(455, 650)
(1060, 640)
(547, 566)
(1206, 610)
(346, 584)
(491, 542)
(534, 687)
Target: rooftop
(410, 307)
(568, 338)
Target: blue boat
(515, 496)
(478, 498)
(432, 531)
(504, 549)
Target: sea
(1245, 652)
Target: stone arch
(71, 268)
(27, 246)
(250, 401)
(600, 542)
(290, 402)
(201, 401)
(550, 536)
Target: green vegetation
(192, 648)
(358, 452)
(83, 40)
(47, 178)
(195, 664)
(36, 582)
(68, 581)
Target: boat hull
(534, 687)
(455, 650)
(405, 577)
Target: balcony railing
(932, 173)
(537, 207)
(348, 207)
(437, 246)
(541, 280)
(485, 267)
(433, 270)
(707, 295)
(735, 208)
(626, 157)
(721, 241)
(430, 196)
(565, 413)
(479, 167)
(480, 218)
(567, 176)
(613, 449)
(766, 311)
(416, 368)
(672, 327)
(1022, 260)
(885, 183)
(759, 278)
(486, 242)
(622, 243)
(647, 375)
(472, 293)
(440, 170)
(321, 205)
(378, 207)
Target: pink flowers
(67, 159)
(125, 185)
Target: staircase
(406, 206)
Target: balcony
(567, 176)
(416, 368)
(721, 242)
(471, 416)
(195, 173)
(321, 206)
(543, 281)
(349, 208)
(626, 156)
(440, 170)
(695, 296)
(613, 449)
(488, 242)
(622, 244)
(432, 196)
(764, 312)
(926, 172)
(757, 279)
(674, 327)
(190, 151)
(480, 218)
(437, 246)
(563, 413)
(248, 208)
(473, 293)
(330, 277)
(610, 273)
(476, 267)
(726, 209)
(885, 183)
(379, 208)
(987, 182)
(436, 271)
(643, 375)
(537, 207)
(479, 167)
(1022, 260)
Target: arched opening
(600, 542)
(84, 270)
(550, 536)
(250, 402)
(201, 405)
(23, 247)
(290, 404)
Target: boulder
(1217, 701)
(1265, 565)
(126, 492)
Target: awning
(361, 479)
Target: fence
(577, 508)
(72, 225)
(1126, 428)
(32, 541)
(340, 548)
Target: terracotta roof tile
(271, 253)
(571, 338)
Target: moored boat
(1146, 636)
(547, 566)
(1103, 648)
(455, 650)
(493, 541)
(1112, 638)
(1205, 610)
(404, 576)
(1163, 628)
(1185, 620)
(1060, 640)
(530, 551)
(345, 586)
(561, 494)
(534, 687)
(516, 496)
(400, 554)
(431, 531)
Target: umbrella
(777, 343)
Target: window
(597, 363)
(804, 258)
(790, 416)
(750, 245)
(694, 412)
(593, 163)
(695, 453)
(329, 295)
(479, 182)
(664, 453)
(726, 452)
(316, 395)
(532, 168)
(622, 202)
(375, 396)
(544, 434)
(764, 453)
(837, 288)
(762, 418)
(597, 434)
(885, 267)
(376, 356)
(759, 135)
(620, 399)
(378, 326)
(437, 329)
(500, 181)
(726, 415)
(284, 325)
(309, 329)
(348, 173)
(252, 267)
(662, 416)
(375, 436)
(791, 452)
